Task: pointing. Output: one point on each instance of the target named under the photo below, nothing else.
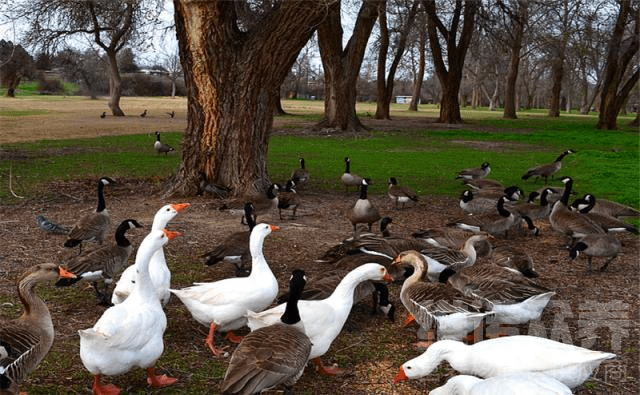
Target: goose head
(427, 362)
(412, 258)
(258, 233)
(45, 272)
(166, 214)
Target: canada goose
(103, 263)
(494, 223)
(25, 341)
(472, 204)
(288, 199)
(433, 304)
(263, 203)
(161, 147)
(271, 355)
(547, 170)
(354, 245)
(452, 238)
(400, 194)
(475, 173)
(567, 222)
(301, 175)
(513, 257)
(512, 193)
(569, 364)
(349, 179)
(103, 115)
(129, 334)
(532, 210)
(144, 113)
(363, 212)
(51, 227)
(608, 223)
(222, 305)
(606, 246)
(607, 207)
(171, 114)
(235, 247)
(93, 226)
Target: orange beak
(400, 376)
(171, 235)
(274, 228)
(396, 260)
(180, 206)
(65, 274)
(387, 277)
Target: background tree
(418, 67)
(461, 21)
(342, 65)
(15, 63)
(110, 25)
(235, 56)
(85, 68)
(618, 81)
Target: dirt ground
(599, 311)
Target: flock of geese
(444, 291)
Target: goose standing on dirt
(532, 210)
(235, 247)
(129, 334)
(571, 365)
(363, 212)
(93, 226)
(400, 194)
(222, 305)
(143, 114)
(547, 170)
(25, 341)
(495, 223)
(158, 269)
(349, 179)
(171, 114)
(263, 203)
(596, 245)
(323, 319)
(475, 173)
(301, 175)
(450, 313)
(288, 199)
(272, 355)
(103, 263)
(568, 222)
(161, 147)
(529, 383)
(103, 115)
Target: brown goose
(571, 223)
(25, 341)
(547, 170)
(300, 175)
(349, 179)
(513, 257)
(235, 247)
(606, 246)
(452, 238)
(475, 173)
(288, 199)
(363, 212)
(103, 264)
(400, 194)
(93, 226)
(272, 355)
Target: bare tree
(111, 25)
(617, 82)
(342, 65)
(235, 56)
(15, 63)
(171, 63)
(461, 21)
(420, 44)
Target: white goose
(513, 384)
(158, 269)
(323, 319)
(129, 334)
(571, 365)
(222, 305)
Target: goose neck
(567, 191)
(121, 239)
(501, 210)
(347, 166)
(101, 203)
(34, 307)
(363, 191)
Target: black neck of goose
(347, 166)
(445, 274)
(291, 313)
(250, 217)
(157, 136)
(270, 193)
(101, 203)
(562, 155)
(301, 163)
(543, 198)
(467, 196)
(567, 191)
(121, 239)
(590, 203)
(501, 210)
(363, 191)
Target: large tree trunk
(456, 51)
(115, 85)
(419, 77)
(232, 77)
(556, 86)
(12, 83)
(520, 20)
(619, 55)
(341, 67)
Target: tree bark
(456, 51)
(419, 77)
(232, 76)
(519, 19)
(619, 55)
(342, 66)
(115, 84)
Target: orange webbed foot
(159, 381)
(233, 338)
